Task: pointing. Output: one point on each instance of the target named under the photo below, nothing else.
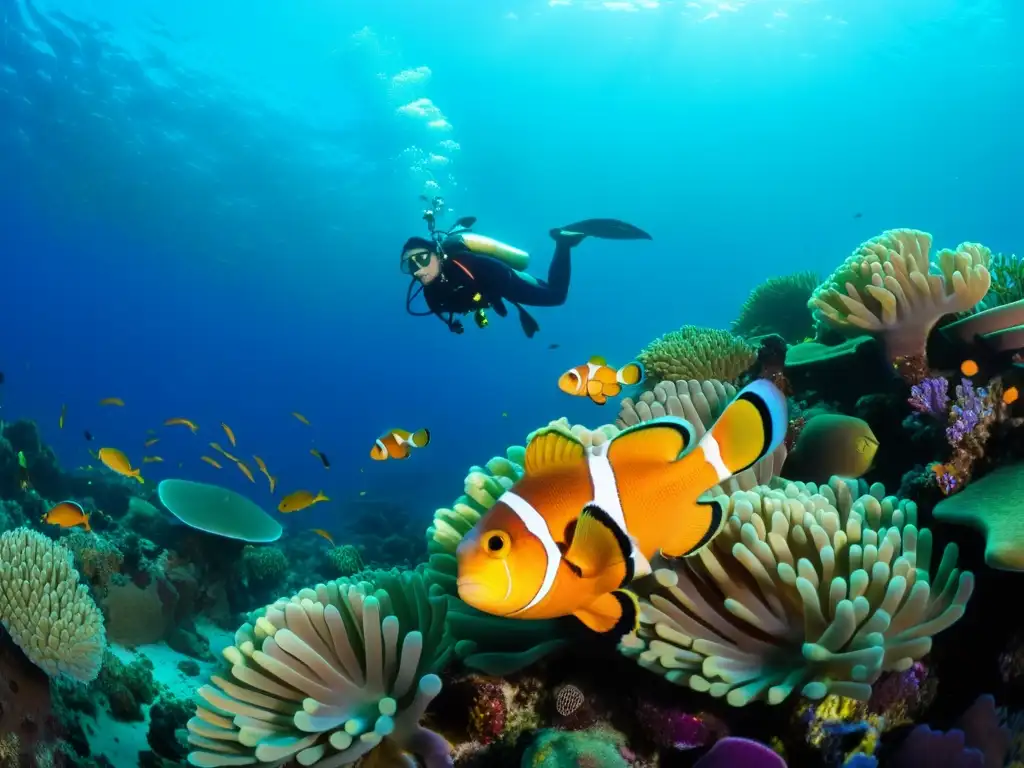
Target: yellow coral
(698, 353)
(887, 288)
(45, 610)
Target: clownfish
(395, 444)
(599, 381)
(582, 523)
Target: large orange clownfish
(582, 524)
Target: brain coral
(887, 288)
(329, 676)
(779, 305)
(806, 588)
(696, 353)
(47, 612)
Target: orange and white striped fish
(582, 523)
(599, 381)
(396, 443)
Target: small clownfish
(67, 514)
(396, 443)
(598, 381)
(112, 401)
(118, 462)
(582, 523)
(299, 500)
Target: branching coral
(329, 676)
(806, 588)
(47, 612)
(779, 305)
(887, 288)
(696, 353)
(700, 403)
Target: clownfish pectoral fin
(704, 521)
(552, 450)
(630, 374)
(615, 613)
(660, 440)
(595, 390)
(598, 546)
(753, 425)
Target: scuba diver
(459, 271)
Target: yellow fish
(67, 514)
(176, 422)
(229, 433)
(598, 381)
(222, 452)
(111, 401)
(151, 442)
(245, 471)
(300, 417)
(210, 461)
(263, 468)
(299, 500)
(325, 534)
(63, 413)
(118, 462)
(152, 460)
(582, 523)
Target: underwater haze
(202, 204)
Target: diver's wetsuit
(470, 281)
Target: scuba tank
(516, 258)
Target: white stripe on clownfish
(713, 455)
(606, 496)
(383, 448)
(537, 526)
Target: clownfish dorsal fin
(613, 613)
(553, 450)
(664, 439)
(596, 360)
(599, 545)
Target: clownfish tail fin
(752, 426)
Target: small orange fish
(259, 463)
(176, 422)
(111, 401)
(396, 443)
(245, 470)
(210, 461)
(322, 457)
(581, 524)
(273, 483)
(300, 417)
(969, 368)
(151, 442)
(300, 500)
(152, 460)
(63, 413)
(1010, 395)
(118, 462)
(229, 433)
(67, 514)
(598, 381)
(325, 534)
(263, 468)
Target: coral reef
(47, 612)
(887, 288)
(697, 353)
(345, 559)
(807, 588)
(330, 675)
(779, 305)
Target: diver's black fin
(465, 222)
(607, 229)
(530, 326)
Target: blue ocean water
(202, 204)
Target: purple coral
(671, 728)
(732, 752)
(931, 396)
(967, 412)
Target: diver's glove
(456, 326)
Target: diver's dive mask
(415, 260)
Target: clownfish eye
(496, 543)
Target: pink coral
(488, 712)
